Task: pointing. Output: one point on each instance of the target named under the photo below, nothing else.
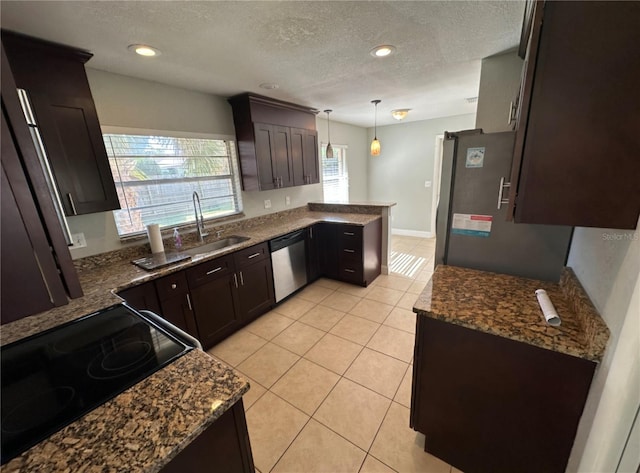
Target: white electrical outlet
(427, 184)
(287, 200)
(267, 204)
(78, 240)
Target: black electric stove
(53, 378)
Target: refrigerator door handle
(503, 186)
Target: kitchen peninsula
(149, 424)
(495, 388)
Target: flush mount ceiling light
(329, 151)
(383, 50)
(144, 50)
(269, 86)
(400, 113)
(375, 144)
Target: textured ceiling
(318, 52)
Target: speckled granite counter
(507, 306)
(143, 428)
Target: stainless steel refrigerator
(471, 226)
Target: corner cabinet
(56, 83)
(576, 152)
(277, 143)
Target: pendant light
(329, 151)
(375, 144)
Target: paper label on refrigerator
(471, 225)
(475, 157)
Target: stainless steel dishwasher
(289, 260)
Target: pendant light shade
(329, 150)
(375, 144)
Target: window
(156, 176)
(335, 177)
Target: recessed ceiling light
(400, 113)
(383, 50)
(144, 50)
(269, 86)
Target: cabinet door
(142, 297)
(575, 160)
(314, 252)
(329, 249)
(255, 290)
(265, 149)
(73, 141)
(175, 302)
(282, 162)
(304, 153)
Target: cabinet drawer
(350, 271)
(251, 255)
(210, 271)
(172, 285)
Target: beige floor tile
(341, 301)
(402, 319)
(354, 412)
(334, 353)
(403, 395)
(328, 283)
(392, 281)
(273, 424)
(384, 295)
(425, 274)
(315, 293)
(425, 252)
(294, 308)
(401, 447)
(269, 325)
(407, 301)
(254, 393)
(306, 385)
(393, 342)
(372, 310)
(417, 287)
(238, 347)
(322, 317)
(298, 337)
(354, 290)
(372, 465)
(356, 329)
(319, 450)
(378, 372)
(455, 470)
(268, 364)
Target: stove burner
(73, 344)
(122, 360)
(39, 409)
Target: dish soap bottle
(177, 239)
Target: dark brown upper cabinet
(277, 142)
(56, 83)
(577, 133)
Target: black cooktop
(53, 378)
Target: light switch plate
(267, 204)
(79, 240)
(287, 200)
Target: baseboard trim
(413, 233)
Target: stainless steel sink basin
(216, 245)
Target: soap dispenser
(177, 239)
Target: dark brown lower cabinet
(222, 448)
(142, 297)
(490, 404)
(255, 290)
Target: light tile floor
(330, 372)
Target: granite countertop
(146, 426)
(150, 423)
(507, 306)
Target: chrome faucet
(199, 219)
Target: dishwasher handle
(286, 240)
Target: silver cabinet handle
(214, 270)
(174, 286)
(350, 270)
(189, 302)
(254, 255)
(349, 251)
(241, 279)
(235, 280)
(503, 186)
(73, 205)
(310, 232)
(349, 233)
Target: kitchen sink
(216, 245)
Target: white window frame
(229, 139)
(343, 177)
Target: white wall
(355, 138)
(499, 85)
(405, 163)
(135, 103)
(607, 263)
